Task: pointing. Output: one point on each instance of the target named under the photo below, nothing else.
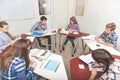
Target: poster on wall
(80, 7)
(44, 7)
(16, 9)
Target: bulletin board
(16, 9)
(80, 7)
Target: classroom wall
(100, 12)
(97, 13)
(60, 13)
(23, 26)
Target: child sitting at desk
(41, 27)
(5, 37)
(111, 66)
(108, 37)
(15, 63)
(72, 27)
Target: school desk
(82, 74)
(49, 32)
(92, 44)
(66, 33)
(59, 74)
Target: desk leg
(60, 43)
(83, 45)
(54, 46)
(55, 40)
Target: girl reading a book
(16, 64)
(72, 27)
(6, 38)
(111, 66)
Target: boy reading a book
(108, 37)
(41, 26)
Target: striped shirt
(17, 70)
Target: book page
(89, 37)
(64, 31)
(86, 58)
(42, 54)
(91, 67)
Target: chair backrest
(3, 52)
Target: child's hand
(70, 31)
(33, 64)
(97, 38)
(94, 72)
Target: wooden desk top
(82, 74)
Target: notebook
(40, 53)
(37, 34)
(52, 65)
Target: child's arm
(93, 74)
(105, 43)
(22, 73)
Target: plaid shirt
(113, 73)
(17, 70)
(112, 38)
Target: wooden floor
(66, 54)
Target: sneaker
(49, 47)
(63, 48)
(44, 46)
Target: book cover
(37, 34)
(52, 65)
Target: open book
(91, 67)
(64, 31)
(86, 58)
(90, 61)
(40, 53)
(52, 65)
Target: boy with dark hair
(41, 26)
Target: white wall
(100, 12)
(60, 13)
(97, 14)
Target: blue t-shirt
(37, 26)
